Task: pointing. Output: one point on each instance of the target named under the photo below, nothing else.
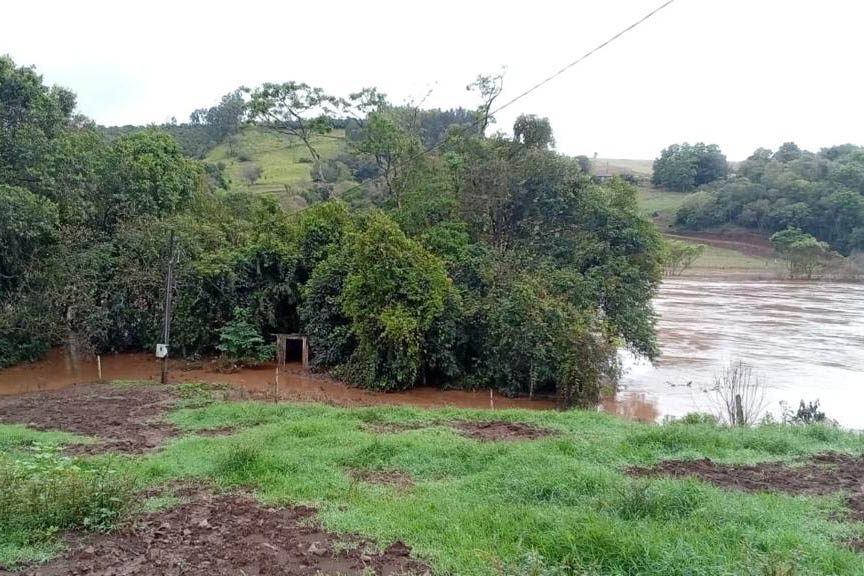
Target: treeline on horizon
(820, 194)
(492, 262)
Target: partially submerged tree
(678, 256)
(804, 254)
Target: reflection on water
(804, 340)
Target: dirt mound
(819, 475)
(229, 534)
(128, 418)
(497, 431)
(393, 478)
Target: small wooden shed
(283, 341)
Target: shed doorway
(292, 349)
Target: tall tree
(533, 131)
(489, 88)
(32, 118)
(296, 109)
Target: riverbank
(57, 371)
(257, 487)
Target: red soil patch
(497, 431)
(127, 418)
(745, 242)
(819, 475)
(233, 535)
(393, 478)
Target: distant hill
(285, 163)
(616, 166)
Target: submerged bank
(57, 371)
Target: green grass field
(660, 205)
(664, 203)
(623, 165)
(481, 508)
(716, 258)
(285, 161)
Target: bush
(807, 413)
(241, 343)
(48, 493)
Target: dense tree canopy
(685, 166)
(487, 262)
(820, 193)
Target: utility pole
(166, 323)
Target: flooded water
(57, 371)
(803, 340)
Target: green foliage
(678, 256)
(536, 132)
(685, 166)
(45, 493)
(803, 252)
(241, 342)
(820, 193)
(146, 174)
(393, 293)
(491, 262)
(32, 119)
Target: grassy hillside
(740, 254)
(285, 162)
(623, 166)
(660, 204)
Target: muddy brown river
(802, 340)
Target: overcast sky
(741, 73)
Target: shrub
(48, 493)
(807, 413)
(241, 343)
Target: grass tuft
(47, 493)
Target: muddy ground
(127, 418)
(397, 479)
(228, 534)
(497, 431)
(818, 475)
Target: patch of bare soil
(127, 418)
(498, 431)
(229, 534)
(393, 478)
(819, 475)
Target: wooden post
(491, 400)
(276, 388)
(739, 410)
(166, 322)
(99, 366)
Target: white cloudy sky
(741, 73)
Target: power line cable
(536, 86)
